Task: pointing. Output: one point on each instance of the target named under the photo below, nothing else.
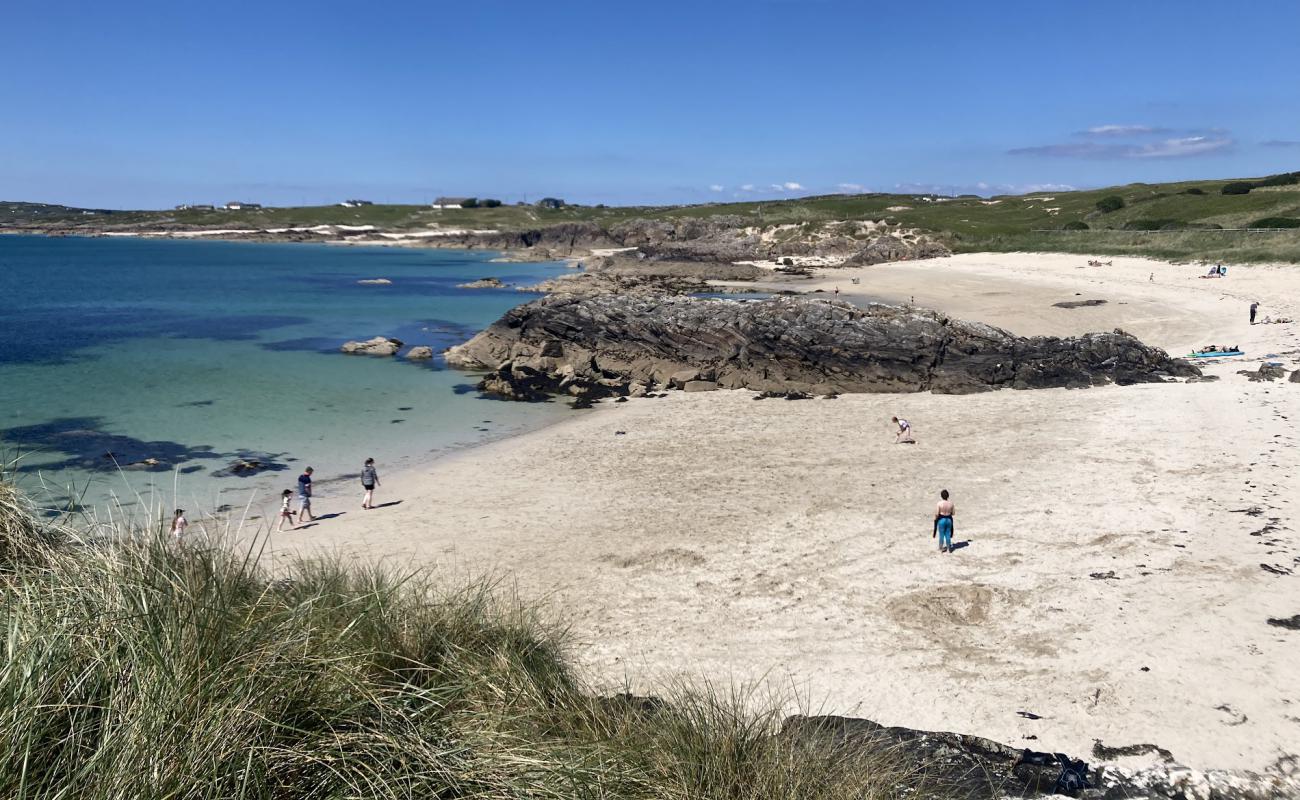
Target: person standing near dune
(943, 521)
(1254, 307)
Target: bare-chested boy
(943, 521)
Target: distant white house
(450, 202)
(356, 203)
(235, 205)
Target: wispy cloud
(1123, 130)
(716, 187)
(850, 188)
(1281, 143)
(788, 186)
(982, 188)
(1178, 147)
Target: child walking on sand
(285, 511)
(179, 523)
(369, 480)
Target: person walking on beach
(943, 522)
(304, 496)
(285, 511)
(904, 434)
(369, 480)
(179, 524)
(1253, 308)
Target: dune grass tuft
(145, 669)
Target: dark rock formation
(1266, 372)
(482, 283)
(1295, 376)
(956, 765)
(1079, 303)
(598, 345)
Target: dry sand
(1122, 550)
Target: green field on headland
(1211, 219)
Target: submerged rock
(378, 346)
(604, 344)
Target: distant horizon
(295, 104)
(915, 192)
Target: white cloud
(849, 188)
(1122, 130)
(716, 187)
(791, 186)
(1183, 147)
(747, 187)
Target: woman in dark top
(369, 480)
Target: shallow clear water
(194, 354)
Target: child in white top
(285, 513)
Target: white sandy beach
(1124, 546)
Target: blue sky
(148, 104)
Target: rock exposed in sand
(375, 282)
(1266, 372)
(482, 283)
(420, 352)
(1079, 303)
(599, 345)
(960, 765)
(378, 346)
(1295, 376)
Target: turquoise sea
(134, 372)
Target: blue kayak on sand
(1216, 354)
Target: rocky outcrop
(1266, 372)
(378, 346)
(421, 352)
(894, 248)
(599, 345)
(959, 765)
(1295, 376)
(482, 283)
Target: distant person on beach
(285, 511)
(943, 522)
(837, 291)
(304, 496)
(904, 435)
(179, 523)
(369, 480)
(1253, 308)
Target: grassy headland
(1192, 219)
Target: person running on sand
(943, 522)
(904, 435)
(304, 496)
(285, 511)
(179, 524)
(369, 480)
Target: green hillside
(1194, 219)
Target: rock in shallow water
(378, 346)
(601, 345)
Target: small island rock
(420, 352)
(378, 346)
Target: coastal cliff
(616, 344)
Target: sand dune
(1123, 550)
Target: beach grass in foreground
(147, 669)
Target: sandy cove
(1123, 550)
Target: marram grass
(141, 669)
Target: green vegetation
(1276, 222)
(1009, 222)
(1237, 187)
(146, 669)
(1109, 203)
